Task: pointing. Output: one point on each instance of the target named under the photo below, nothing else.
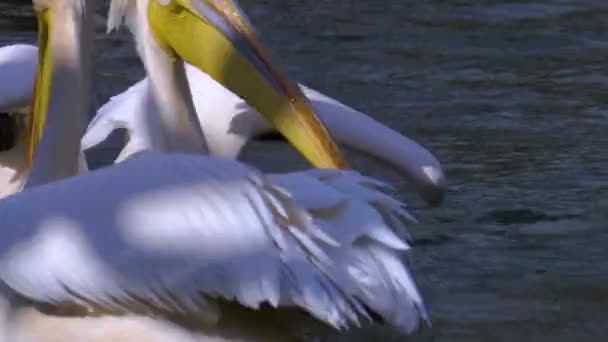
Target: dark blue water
(511, 96)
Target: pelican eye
(8, 131)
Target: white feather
(118, 12)
(167, 227)
(229, 123)
(18, 65)
(197, 224)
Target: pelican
(227, 121)
(183, 235)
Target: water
(511, 96)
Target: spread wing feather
(174, 232)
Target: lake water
(511, 96)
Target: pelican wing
(229, 123)
(132, 110)
(366, 224)
(18, 65)
(176, 232)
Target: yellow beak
(42, 87)
(214, 36)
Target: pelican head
(215, 37)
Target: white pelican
(227, 121)
(186, 235)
